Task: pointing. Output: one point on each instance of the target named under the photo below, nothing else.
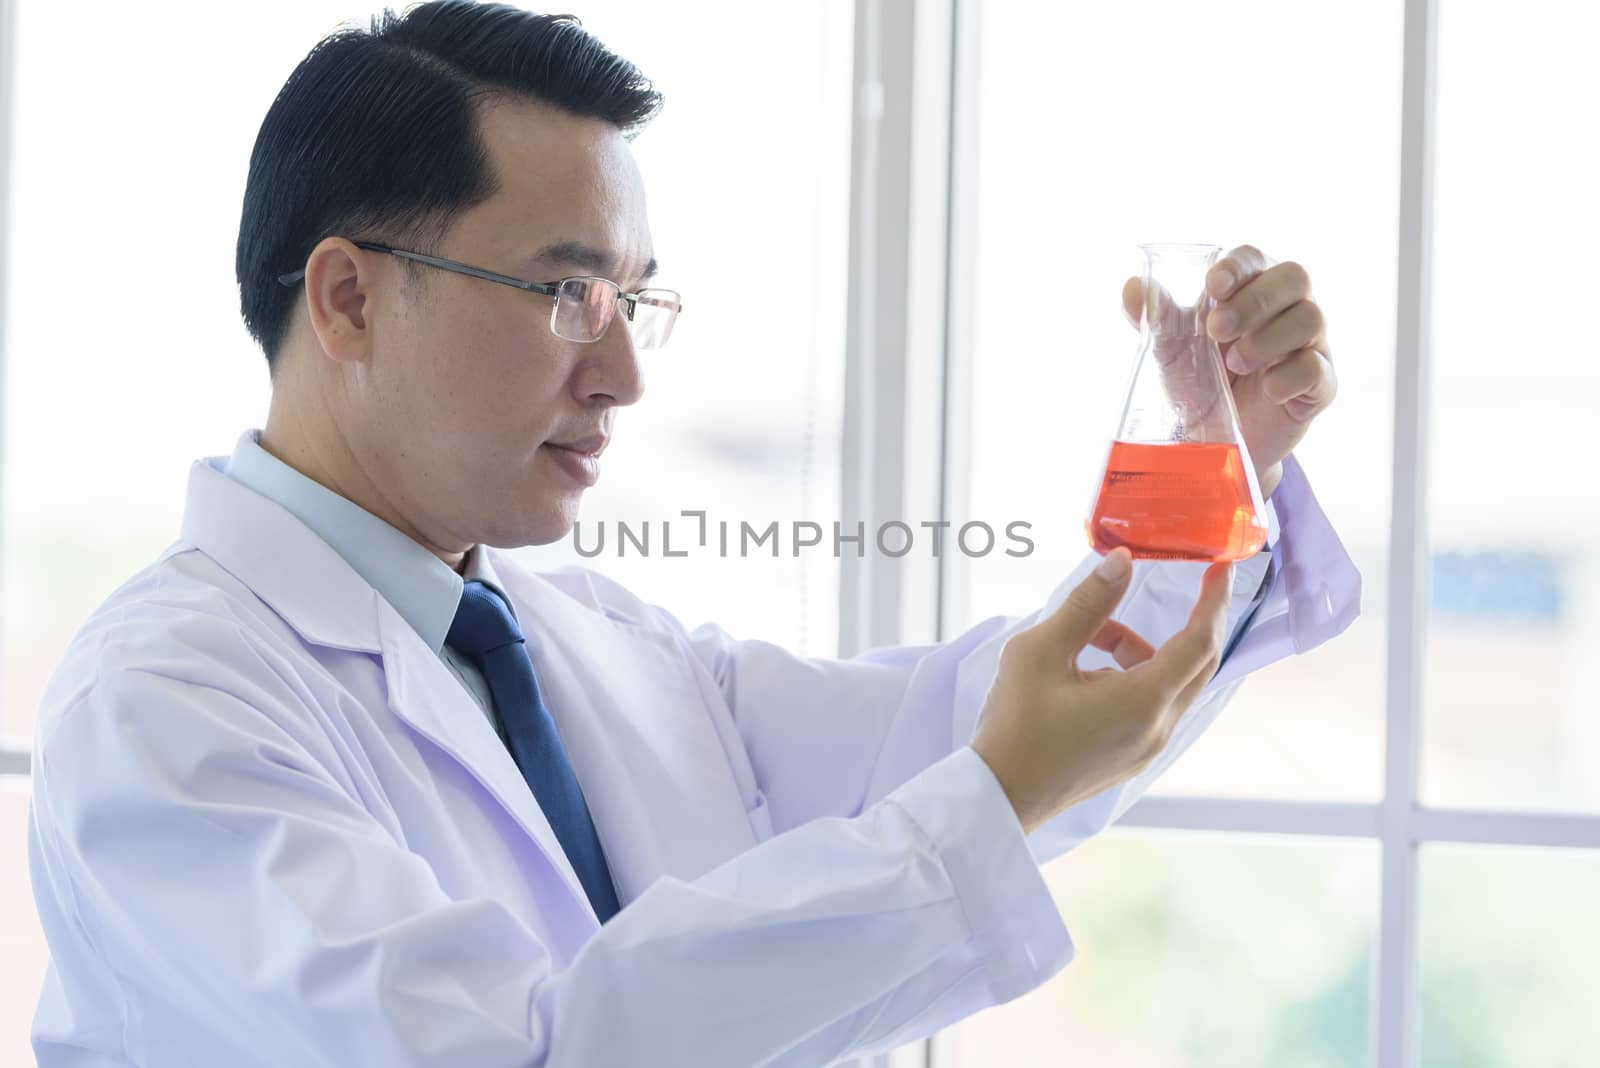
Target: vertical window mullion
(8, 96)
(1396, 993)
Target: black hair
(376, 132)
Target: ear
(339, 280)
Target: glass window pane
(1510, 945)
(742, 414)
(22, 948)
(1510, 686)
(126, 360)
(124, 355)
(1199, 950)
(1107, 125)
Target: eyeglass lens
(586, 306)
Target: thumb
(1090, 604)
(1133, 301)
(1166, 313)
(1186, 663)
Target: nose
(608, 369)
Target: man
(332, 782)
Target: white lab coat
(271, 828)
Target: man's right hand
(1055, 735)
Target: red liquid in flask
(1186, 501)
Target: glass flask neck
(1180, 390)
(1175, 301)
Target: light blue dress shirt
(423, 589)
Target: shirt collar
(477, 567)
(422, 588)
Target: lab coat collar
(251, 535)
(321, 596)
(330, 605)
(423, 588)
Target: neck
(303, 433)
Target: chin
(549, 523)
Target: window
(1072, 173)
(1510, 688)
(749, 196)
(1450, 935)
(1508, 952)
(1199, 949)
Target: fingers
(1258, 301)
(1194, 651)
(1124, 644)
(1301, 326)
(1304, 384)
(1087, 608)
(1234, 270)
(1187, 696)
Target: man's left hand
(1274, 344)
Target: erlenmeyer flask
(1178, 483)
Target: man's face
(476, 420)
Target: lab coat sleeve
(185, 833)
(828, 737)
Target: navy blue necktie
(486, 632)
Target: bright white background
(1099, 126)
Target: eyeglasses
(584, 307)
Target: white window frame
(937, 112)
(13, 751)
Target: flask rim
(1168, 248)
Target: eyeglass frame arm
(294, 277)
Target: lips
(592, 445)
(579, 458)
